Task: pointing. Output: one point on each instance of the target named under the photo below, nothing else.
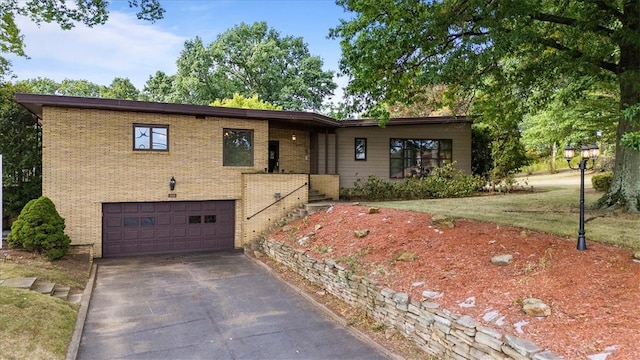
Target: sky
(130, 48)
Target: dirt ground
(593, 294)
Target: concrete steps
(46, 288)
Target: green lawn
(549, 208)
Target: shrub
(443, 182)
(602, 182)
(40, 228)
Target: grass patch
(33, 325)
(44, 271)
(554, 210)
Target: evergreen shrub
(40, 228)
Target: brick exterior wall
(259, 192)
(326, 184)
(294, 154)
(88, 159)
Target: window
(195, 219)
(361, 149)
(417, 157)
(151, 137)
(237, 147)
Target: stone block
(490, 341)
(522, 346)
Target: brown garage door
(167, 227)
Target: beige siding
(260, 204)
(377, 162)
(88, 160)
(294, 154)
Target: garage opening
(145, 228)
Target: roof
(35, 103)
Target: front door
(274, 155)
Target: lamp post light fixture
(586, 153)
(172, 183)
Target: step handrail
(278, 200)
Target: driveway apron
(206, 306)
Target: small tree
(40, 228)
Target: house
(134, 177)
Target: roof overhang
(36, 102)
(277, 118)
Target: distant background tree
(241, 102)
(120, 88)
(20, 147)
(249, 60)
(65, 13)
(391, 49)
(157, 88)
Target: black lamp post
(586, 153)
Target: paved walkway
(206, 306)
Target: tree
(20, 148)
(239, 101)
(393, 48)
(249, 60)
(120, 88)
(87, 12)
(40, 228)
(157, 88)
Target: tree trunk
(625, 188)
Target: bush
(40, 228)
(443, 182)
(602, 182)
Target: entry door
(274, 155)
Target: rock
(407, 256)
(287, 228)
(257, 254)
(303, 241)
(431, 294)
(389, 333)
(535, 307)
(468, 302)
(317, 227)
(442, 221)
(361, 233)
(502, 260)
(636, 255)
(373, 210)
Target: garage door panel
(163, 234)
(209, 231)
(164, 227)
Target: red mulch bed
(593, 294)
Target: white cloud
(123, 47)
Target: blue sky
(135, 49)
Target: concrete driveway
(206, 306)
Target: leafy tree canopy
(20, 149)
(249, 60)
(67, 13)
(239, 101)
(524, 50)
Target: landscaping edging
(437, 331)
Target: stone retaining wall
(435, 330)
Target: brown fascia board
(35, 103)
(408, 121)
